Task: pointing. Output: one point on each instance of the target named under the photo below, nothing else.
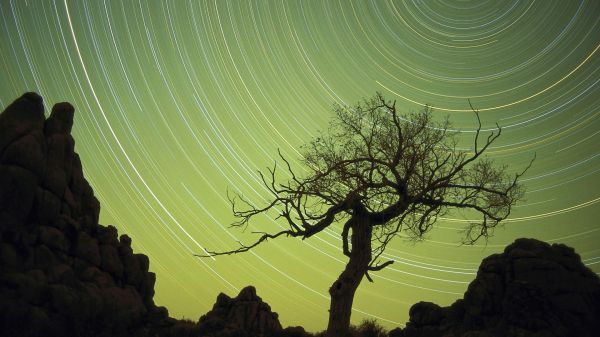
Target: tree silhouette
(380, 174)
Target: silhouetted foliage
(370, 328)
(380, 173)
(366, 328)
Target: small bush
(368, 328)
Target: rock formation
(61, 273)
(246, 313)
(531, 289)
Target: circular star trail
(178, 102)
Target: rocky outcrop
(531, 289)
(244, 315)
(61, 273)
(40, 173)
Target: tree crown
(394, 172)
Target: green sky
(179, 101)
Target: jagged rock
(147, 286)
(425, 313)
(108, 235)
(90, 206)
(531, 289)
(143, 262)
(125, 240)
(247, 312)
(20, 117)
(60, 271)
(60, 120)
(133, 274)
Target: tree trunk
(343, 289)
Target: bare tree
(381, 174)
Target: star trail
(179, 102)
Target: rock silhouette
(245, 313)
(531, 289)
(62, 274)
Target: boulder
(107, 235)
(62, 273)
(23, 115)
(246, 312)
(53, 238)
(17, 192)
(132, 273)
(60, 120)
(425, 313)
(87, 248)
(531, 289)
(27, 152)
(111, 261)
(58, 160)
(44, 257)
(96, 276)
(47, 205)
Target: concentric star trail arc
(179, 102)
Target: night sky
(179, 101)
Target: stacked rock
(245, 314)
(61, 273)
